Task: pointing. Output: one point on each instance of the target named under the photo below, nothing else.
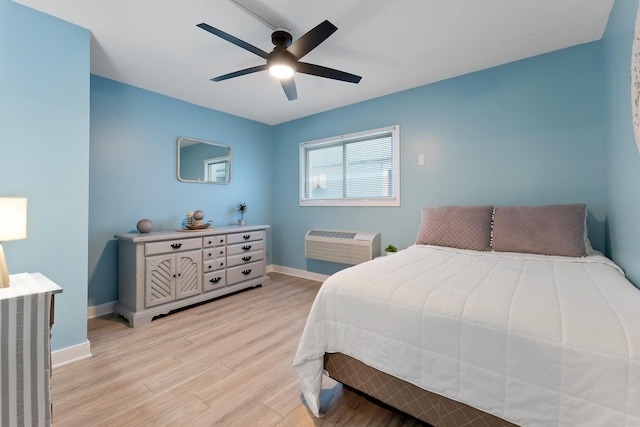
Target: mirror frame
(200, 141)
(635, 80)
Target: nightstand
(26, 317)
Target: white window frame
(393, 200)
(226, 160)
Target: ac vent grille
(344, 247)
(332, 234)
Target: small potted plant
(390, 249)
(242, 208)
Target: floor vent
(344, 247)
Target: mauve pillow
(463, 227)
(547, 230)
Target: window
(361, 169)
(217, 170)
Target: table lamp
(13, 226)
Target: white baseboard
(82, 351)
(107, 308)
(100, 310)
(70, 354)
(304, 274)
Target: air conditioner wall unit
(344, 247)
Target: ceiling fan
(284, 60)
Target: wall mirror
(635, 80)
(203, 161)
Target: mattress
(535, 340)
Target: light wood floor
(227, 362)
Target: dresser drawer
(245, 237)
(245, 272)
(213, 264)
(245, 247)
(213, 253)
(210, 241)
(214, 280)
(245, 258)
(176, 245)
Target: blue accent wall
(623, 159)
(551, 129)
(133, 169)
(529, 132)
(44, 154)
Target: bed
(466, 332)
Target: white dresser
(163, 271)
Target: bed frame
(431, 408)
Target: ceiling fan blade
(231, 39)
(240, 73)
(312, 39)
(289, 86)
(329, 73)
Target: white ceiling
(393, 45)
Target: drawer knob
(247, 272)
(246, 248)
(215, 279)
(246, 258)
(176, 245)
(246, 236)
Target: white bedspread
(536, 340)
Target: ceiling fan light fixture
(281, 71)
(284, 60)
(281, 63)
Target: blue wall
(550, 129)
(529, 132)
(44, 154)
(134, 136)
(623, 173)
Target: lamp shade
(13, 218)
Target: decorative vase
(242, 222)
(144, 225)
